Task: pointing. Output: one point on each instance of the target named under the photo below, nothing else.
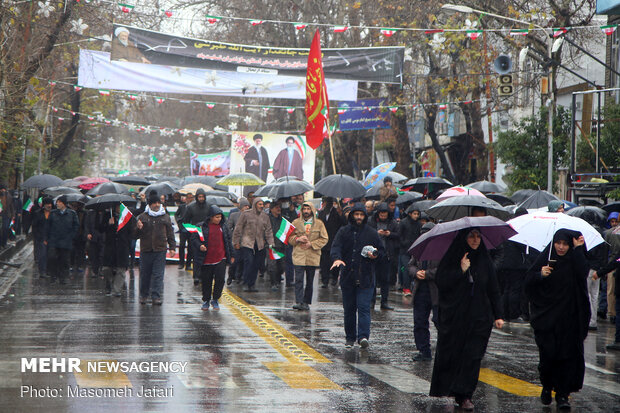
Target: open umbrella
(108, 188)
(536, 230)
(521, 195)
(219, 201)
(458, 191)
(287, 189)
(81, 178)
(200, 179)
(42, 181)
(486, 186)
(377, 174)
(503, 200)
(408, 196)
(264, 190)
(109, 201)
(611, 207)
(71, 183)
(592, 215)
(340, 186)
(162, 188)
(225, 194)
(422, 206)
(427, 184)
(82, 199)
(538, 199)
(396, 177)
(60, 190)
(195, 187)
(461, 206)
(241, 179)
(131, 180)
(90, 183)
(434, 244)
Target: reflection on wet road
(255, 354)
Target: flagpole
(329, 133)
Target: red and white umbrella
(459, 191)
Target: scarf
(159, 213)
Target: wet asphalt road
(255, 354)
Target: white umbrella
(536, 230)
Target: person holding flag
(281, 229)
(212, 245)
(308, 237)
(118, 227)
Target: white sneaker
(364, 343)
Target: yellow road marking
(103, 380)
(509, 384)
(301, 376)
(294, 372)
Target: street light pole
(551, 101)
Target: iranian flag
(213, 19)
(519, 32)
(609, 29)
(104, 92)
(124, 218)
(28, 205)
(77, 88)
(290, 110)
(300, 26)
(125, 8)
(393, 109)
(559, 31)
(194, 229)
(388, 32)
(12, 226)
(159, 99)
(132, 96)
(275, 255)
(153, 160)
(210, 105)
(474, 34)
(340, 29)
(285, 230)
(256, 22)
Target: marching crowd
(363, 247)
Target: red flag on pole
(317, 105)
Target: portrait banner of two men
(271, 156)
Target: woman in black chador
(560, 312)
(469, 305)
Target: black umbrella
(503, 200)
(109, 201)
(82, 199)
(521, 195)
(409, 196)
(422, 206)
(611, 207)
(108, 188)
(265, 189)
(131, 180)
(225, 194)
(461, 206)
(42, 181)
(396, 177)
(340, 186)
(592, 215)
(538, 199)
(60, 190)
(285, 189)
(199, 179)
(427, 184)
(162, 188)
(515, 210)
(486, 186)
(219, 201)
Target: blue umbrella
(377, 174)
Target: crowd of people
(362, 245)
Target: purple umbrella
(434, 244)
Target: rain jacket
(155, 233)
(253, 228)
(196, 242)
(317, 235)
(358, 271)
(391, 241)
(61, 228)
(196, 212)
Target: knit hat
(62, 198)
(243, 201)
(153, 198)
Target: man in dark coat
(116, 247)
(387, 229)
(62, 226)
(236, 269)
(256, 162)
(288, 162)
(331, 214)
(557, 289)
(469, 305)
(95, 241)
(78, 253)
(195, 214)
(184, 236)
(357, 273)
(276, 261)
(39, 232)
(408, 232)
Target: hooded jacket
(408, 232)
(196, 242)
(253, 228)
(389, 224)
(358, 271)
(196, 212)
(317, 235)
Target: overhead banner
(212, 164)
(369, 64)
(271, 156)
(97, 71)
(364, 114)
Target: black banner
(369, 64)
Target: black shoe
(364, 343)
(422, 357)
(108, 293)
(386, 307)
(334, 281)
(545, 396)
(229, 281)
(297, 307)
(592, 328)
(305, 307)
(181, 266)
(562, 402)
(196, 281)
